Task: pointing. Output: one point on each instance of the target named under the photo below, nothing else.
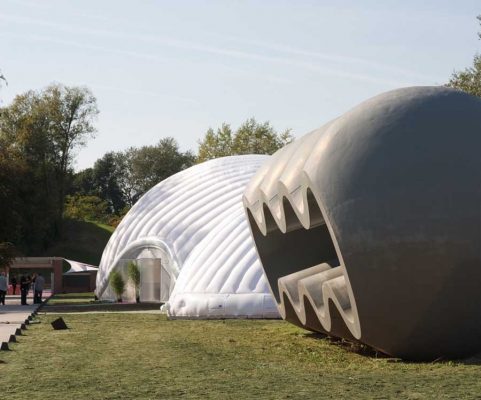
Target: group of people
(36, 282)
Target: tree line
(117, 180)
(40, 135)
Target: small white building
(190, 237)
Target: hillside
(81, 241)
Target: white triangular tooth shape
(268, 184)
(251, 193)
(292, 171)
(287, 221)
(276, 209)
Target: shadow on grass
(369, 352)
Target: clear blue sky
(176, 68)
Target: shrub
(86, 208)
(133, 272)
(117, 284)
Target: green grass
(72, 299)
(145, 356)
(81, 241)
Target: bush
(117, 284)
(86, 208)
(133, 272)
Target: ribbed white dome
(195, 223)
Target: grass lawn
(146, 356)
(71, 299)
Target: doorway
(155, 280)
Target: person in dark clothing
(24, 288)
(3, 287)
(13, 281)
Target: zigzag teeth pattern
(312, 288)
(297, 198)
(315, 285)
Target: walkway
(14, 318)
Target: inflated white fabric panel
(195, 222)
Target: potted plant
(133, 272)
(117, 284)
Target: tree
(117, 284)
(86, 208)
(216, 144)
(82, 183)
(469, 80)
(106, 175)
(71, 111)
(250, 138)
(150, 165)
(12, 176)
(133, 272)
(121, 178)
(40, 131)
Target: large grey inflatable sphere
(369, 228)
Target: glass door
(150, 279)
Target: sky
(176, 68)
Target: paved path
(14, 318)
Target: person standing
(38, 289)
(13, 281)
(24, 288)
(3, 287)
(32, 283)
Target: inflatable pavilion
(192, 243)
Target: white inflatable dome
(191, 239)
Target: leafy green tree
(82, 183)
(125, 177)
(469, 80)
(251, 137)
(102, 181)
(216, 144)
(40, 131)
(121, 178)
(86, 208)
(151, 164)
(117, 284)
(106, 176)
(13, 173)
(71, 112)
(133, 272)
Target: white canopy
(77, 267)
